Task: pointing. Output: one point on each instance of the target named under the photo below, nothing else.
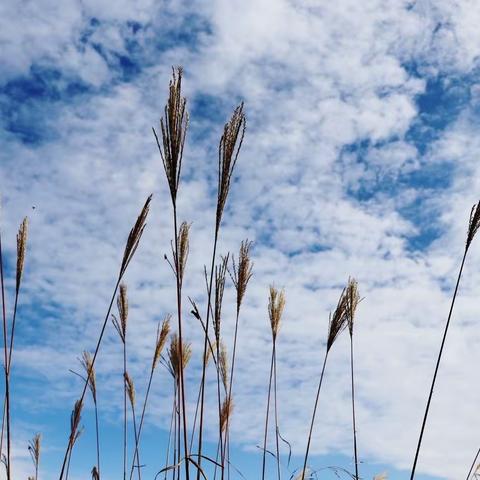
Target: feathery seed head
(162, 334)
(122, 305)
(226, 412)
(242, 272)
(75, 418)
(223, 363)
(220, 272)
(87, 364)
(228, 151)
(173, 130)
(276, 305)
(338, 321)
(34, 448)
(21, 248)
(473, 224)
(130, 388)
(183, 248)
(174, 355)
(352, 301)
(134, 236)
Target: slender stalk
(266, 418)
(313, 416)
(353, 410)
(180, 342)
(276, 408)
(137, 440)
(473, 464)
(6, 366)
(97, 431)
(137, 455)
(124, 410)
(205, 346)
(170, 432)
(427, 408)
(220, 435)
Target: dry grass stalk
(34, 450)
(130, 388)
(21, 248)
(122, 306)
(174, 355)
(87, 365)
(339, 320)
(134, 236)
(228, 151)
(276, 304)
(174, 129)
(75, 419)
(242, 273)
(223, 364)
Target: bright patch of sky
(360, 158)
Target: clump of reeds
(473, 226)
(34, 450)
(276, 304)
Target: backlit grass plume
(173, 132)
(473, 225)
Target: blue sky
(360, 158)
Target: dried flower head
(242, 272)
(338, 321)
(87, 364)
(130, 388)
(122, 305)
(220, 272)
(95, 474)
(34, 449)
(473, 224)
(21, 248)
(174, 355)
(134, 236)
(183, 249)
(228, 151)
(174, 129)
(75, 418)
(162, 334)
(352, 301)
(223, 364)
(226, 412)
(276, 305)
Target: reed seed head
(130, 388)
(338, 321)
(34, 448)
(276, 304)
(183, 249)
(174, 355)
(226, 412)
(87, 364)
(473, 224)
(352, 301)
(134, 236)
(75, 419)
(122, 305)
(162, 334)
(223, 364)
(228, 150)
(242, 273)
(173, 131)
(220, 272)
(21, 248)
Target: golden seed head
(162, 334)
(276, 304)
(226, 412)
(87, 364)
(352, 301)
(130, 388)
(242, 272)
(21, 248)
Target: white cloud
(314, 80)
